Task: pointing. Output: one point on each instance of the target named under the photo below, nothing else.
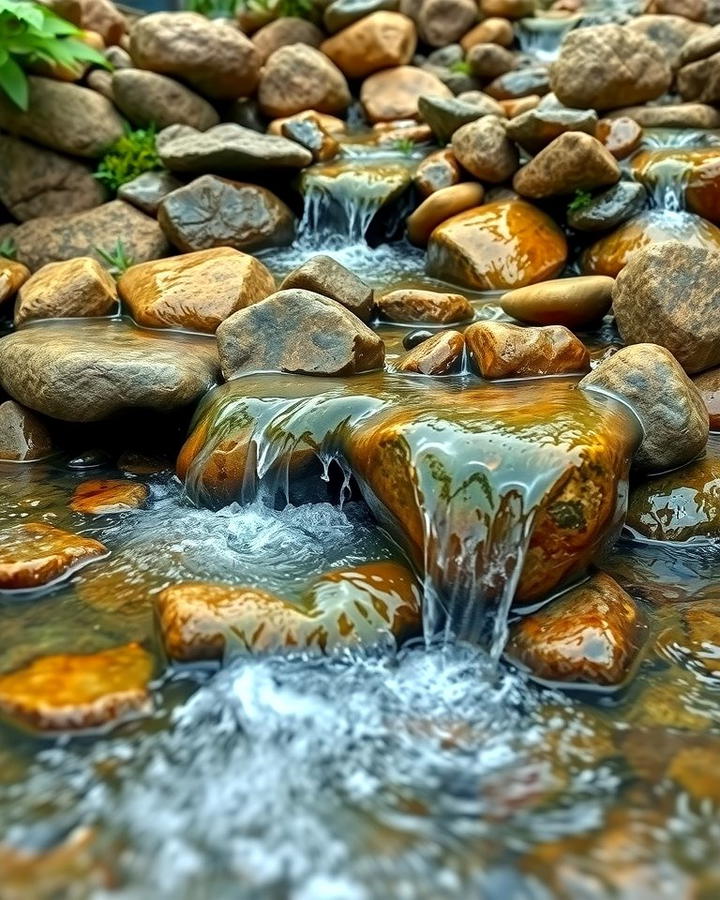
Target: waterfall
(541, 37)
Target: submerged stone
(102, 496)
(501, 350)
(33, 554)
(438, 354)
(23, 437)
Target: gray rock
(610, 208)
(445, 115)
(147, 190)
(536, 128)
(341, 13)
(520, 83)
(326, 276)
(147, 98)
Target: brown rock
(438, 355)
(674, 115)
(394, 93)
(306, 129)
(537, 128)
(430, 307)
(701, 46)
(147, 98)
(488, 61)
(709, 386)
(507, 9)
(23, 437)
(500, 350)
(378, 41)
(33, 554)
(104, 18)
(99, 497)
(482, 147)
(13, 276)
(527, 81)
(147, 191)
(324, 275)
(490, 31)
(443, 22)
(196, 290)
(298, 78)
(700, 80)
(575, 303)
(513, 108)
(69, 289)
(620, 136)
(285, 31)
(695, 10)
(437, 171)
(440, 206)
(669, 32)
(574, 161)
(100, 80)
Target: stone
(331, 124)
(118, 58)
(214, 57)
(37, 182)
(72, 288)
(501, 245)
(669, 32)
(146, 98)
(523, 82)
(440, 206)
(64, 117)
(576, 303)
(668, 294)
(147, 190)
(507, 9)
(378, 41)
(483, 148)
(674, 115)
(300, 332)
(196, 290)
(284, 31)
(537, 128)
(13, 276)
(307, 130)
(501, 350)
(442, 22)
(513, 108)
(216, 212)
(609, 208)
(689, 178)
(298, 78)
(228, 148)
(33, 554)
(324, 275)
(341, 13)
(670, 409)
(440, 354)
(104, 496)
(488, 61)
(708, 383)
(607, 66)
(446, 114)
(437, 171)
(395, 93)
(621, 136)
(23, 436)
(409, 305)
(414, 134)
(701, 46)
(697, 81)
(592, 634)
(79, 691)
(695, 10)
(84, 371)
(572, 162)
(492, 30)
(100, 80)
(56, 238)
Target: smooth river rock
(573, 302)
(483, 148)
(501, 350)
(33, 554)
(299, 77)
(72, 288)
(147, 98)
(378, 41)
(441, 205)
(573, 161)
(428, 307)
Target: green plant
(212, 8)
(297, 9)
(461, 66)
(131, 155)
(116, 257)
(404, 146)
(581, 200)
(31, 33)
(8, 249)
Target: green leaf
(14, 83)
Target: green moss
(7, 248)
(131, 155)
(567, 514)
(461, 67)
(581, 200)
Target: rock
(620, 136)
(446, 114)
(708, 383)
(537, 128)
(331, 124)
(307, 130)
(228, 148)
(513, 108)
(33, 554)
(341, 13)
(440, 354)
(442, 22)
(689, 178)
(78, 691)
(299, 77)
(102, 17)
(675, 115)
(378, 41)
(670, 409)
(701, 46)
(576, 303)
(440, 206)
(609, 208)
(324, 275)
(118, 58)
(607, 66)
(23, 437)
(395, 93)
(695, 10)
(13, 276)
(507, 9)
(215, 58)
(698, 81)
(147, 190)
(196, 290)
(73, 288)
(669, 32)
(389, 136)
(483, 148)
(285, 31)
(500, 350)
(488, 61)
(498, 246)
(65, 117)
(437, 171)
(85, 371)
(572, 162)
(100, 80)
(299, 332)
(37, 182)
(409, 305)
(592, 633)
(55, 238)
(524, 82)
(104, 496)
(146, 98)
(493, 30)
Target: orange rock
(298, 77)
(431, 307)
(377, 41)
(619, 136)
(501, 350)
(32, 554)
(573, 302)
(331, 124)
(69, 289)
(99, 497)
(12, 277)
(440, 206)
(394, 93)
(520, 105)
(489, 31)
(438, 355)
(437, 171)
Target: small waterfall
(541, 37)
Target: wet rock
(33, 554)
(378, 41)
(571, 162)
(607, 66)
(104, 496)
(297, 331)
(285, 31)
(228, 148)
(694, 770)
(675, 115)
(55, 238)
(196, 290)
(37, 182)
(501, 350)
(670, 409)
(84, 371)
(216, 212)
(590, 634)
(215, 58)
(536, 128)
(621, 136)
(668, 294)
(89, 459)
(442, 22)
(488, 61)
(307, 130)
(69, 289)
(324, 275)
(439, 354)
(682, 177)
(492, 30)
(437, 171)
(299, 77)
(341, 13)
(77, 691)
(12, 277)
(147, 190)
(146, 98)
(507, 9)
(446, 114)
(64, 117)
(331, 124)
(501, 245)
(524, 82)
(483, 148)
(23, 437)
(395, 93)
(388, 136)
(709, 386)
(440, 206)
(576, 303)
(415, 337)
(429, 307)
(609, 208)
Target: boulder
(482, 147)
(669, 32)
(146, 98)
(440, 206)
(378, 41)
(324, 275)
(440, 354)
(410, 305)
(147, 190)
(33, 554)
(299, 77)
(576, 303)
(620, 136)
(442, 22)
(285, 31)
(501, 350)
(395, 93)
(108, 496)
(23, 436)
(609, 208)
(446, 114)
(438, 170)
(573, 161)
(216, 212)
(12, 277)
(72, 288)
(537, 128)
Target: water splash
(541, 37)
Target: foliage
(7, 248)
(116, 257)
(212, 8)
(299, 9)
(131, 155)
(581, 200)
(31, 33)
(404, 146)
(461, 66)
